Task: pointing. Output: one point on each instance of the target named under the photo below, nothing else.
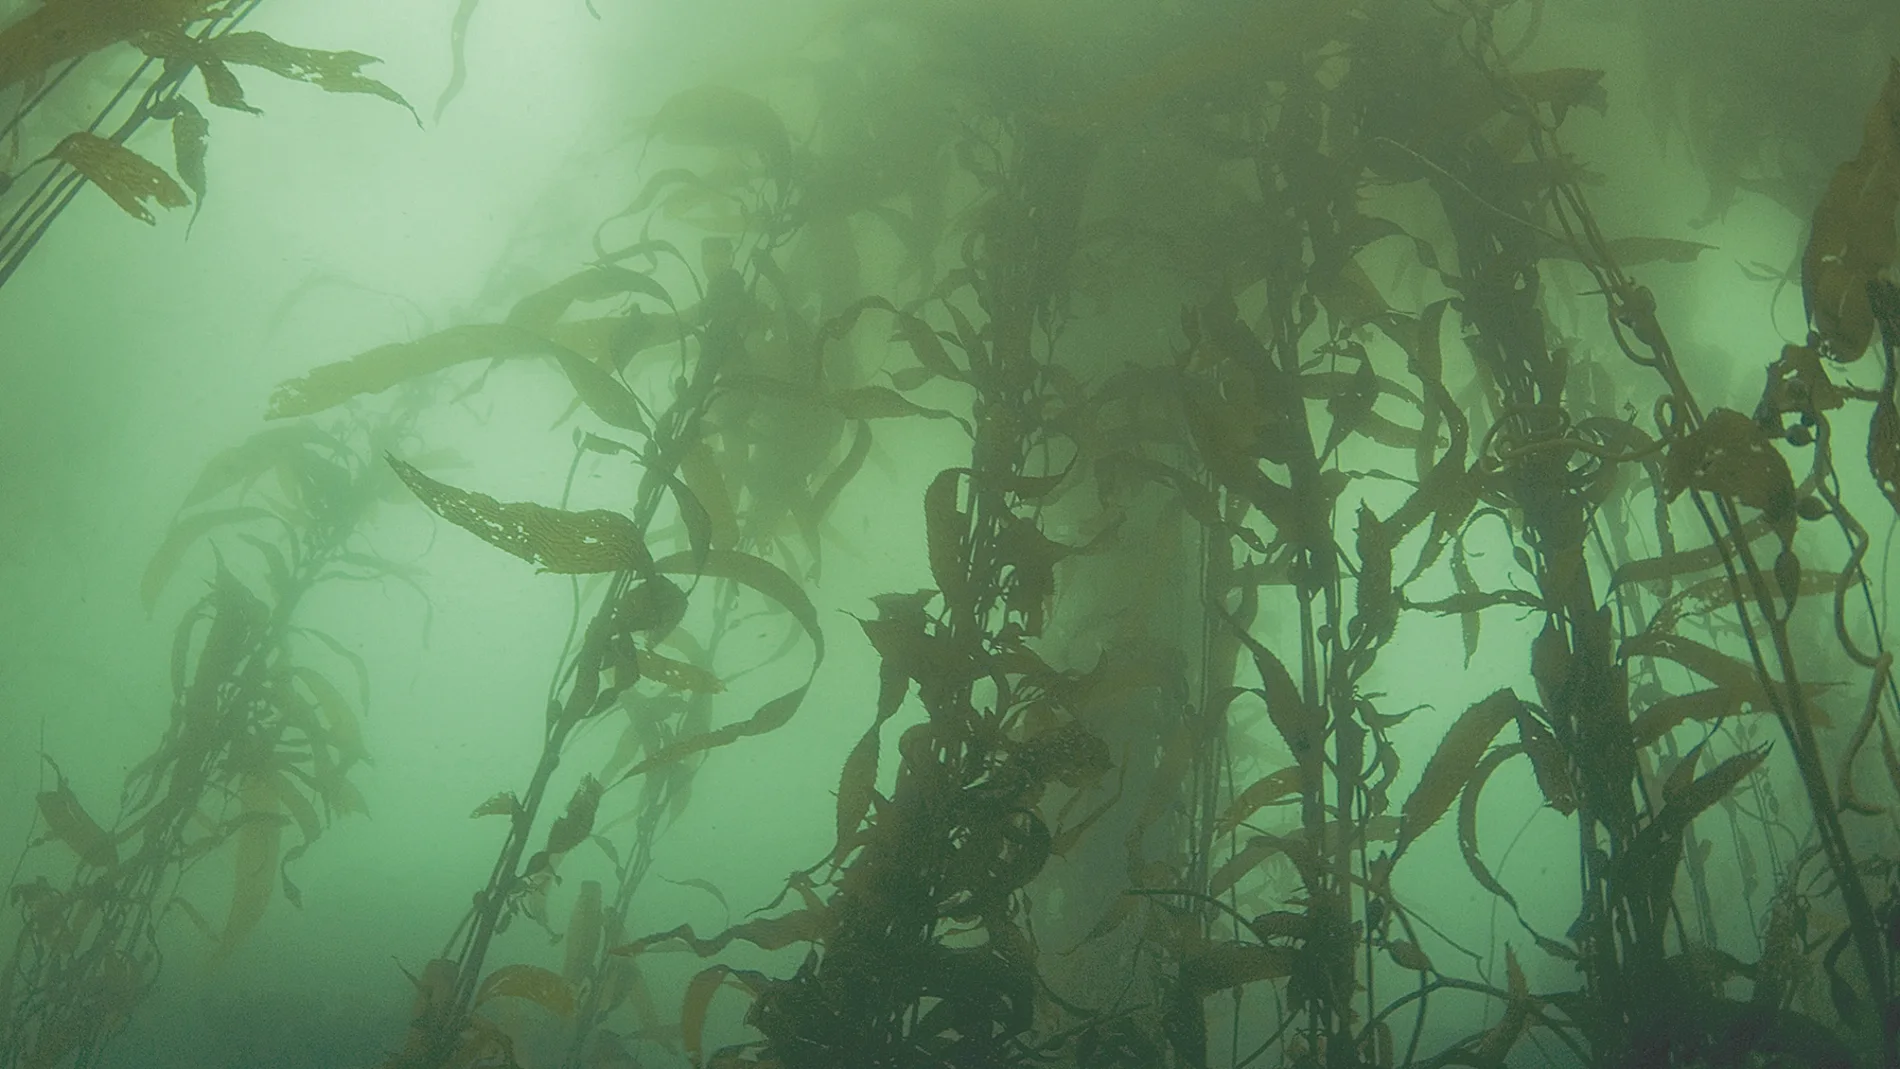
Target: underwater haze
(955, 534)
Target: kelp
(40, 49)
(378, 369)
(260, 747)
(570, 543)
(1851, 240)
(333, 72)
(1293, 474)
(615, 664)
(125, 176)
(59, 30)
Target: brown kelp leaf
(603, 394)
(541, 310)
(222, 87)
(261, 452)
(1350, 299)
(1469, 603)
(1883, 449)
(1198, 500)
(341, 728)
(1349, 407)
(332, 72)
(380, 368)
(67, 820)
(927, 346)
(654, 607)
(1065, 840)
(1265, 791)
(700, 471)
(58, 30)
(678, 675)
(1295, 848)
(190, 130)
(1634, 252)
(1691, 799)
(183, 535)
(1376, 606)
(1564, 88)
(1731, 674)
(1703, 705)
(1730, 455)
(758, 573)
(1453, 762)
(882, 402)
(698, 1001)
(1851, 239)
(1717, 592)
(581, 943)
(543, 987)
(814, 511)
(570, 828)
(1497, 1041)
(1301, 726)
(568, 543)
(1221, 966)
(612, 340)
(458, 56)
(127, 177)
(1407, 955)
(1669, 566)
(715, 116)
(945, 533)
(772, 581)
(1547, 763)
(1469, 623)
(807, 925)
(1679, 777)
(770, 717)
(857, 786)
(1468, 823)
(499, 804)
(767, 579)
(1629, 252)
(259, 833)
(298, 804)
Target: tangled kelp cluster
(1249, 317)
(254, 766)
(150, 48)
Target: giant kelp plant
(1284, 347)
(261, 744)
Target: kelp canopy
(1215, 534)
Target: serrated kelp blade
(1453, 763)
